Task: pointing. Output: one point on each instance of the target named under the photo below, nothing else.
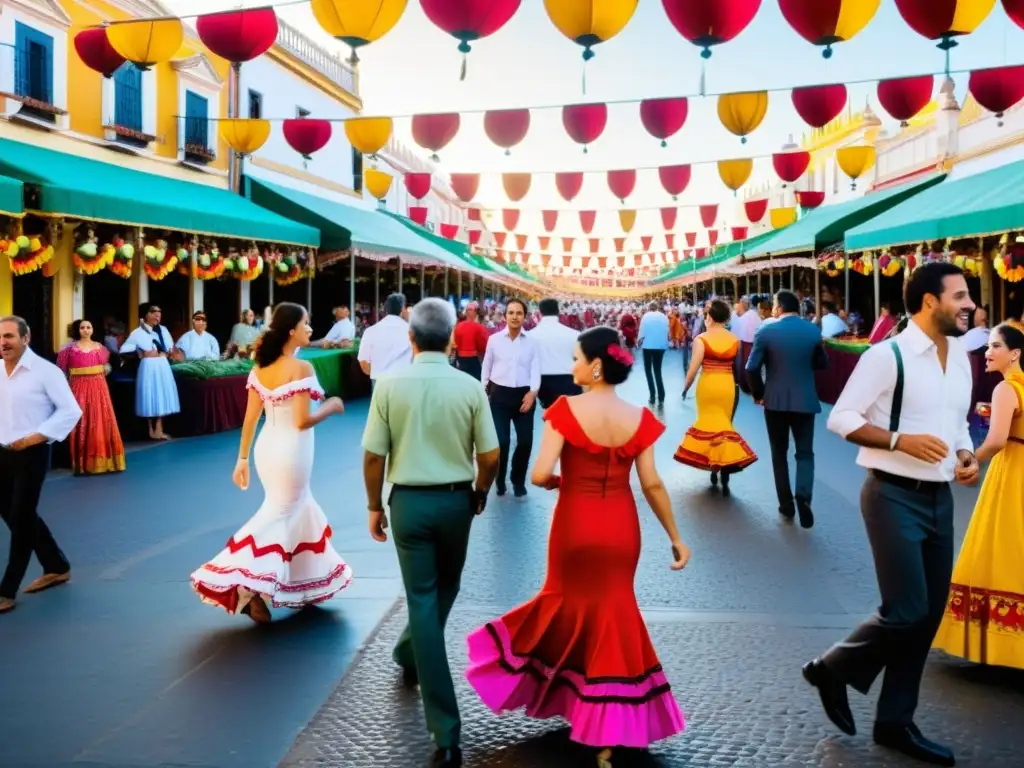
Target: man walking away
(791, 351)
(906, 405)
(744, 328)
(654, 341)
(36, 409)
(511, 375)
(425, 423)
(557, 343)
(385, 345)
(470, 341)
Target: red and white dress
(284, 552)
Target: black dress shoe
(410, 677)
(500, 489)
(449, 757)
(725, 485)
(788, 511)
(714, 479)
(519, 491)
(907, 739)
(803, 508)
(833, 696)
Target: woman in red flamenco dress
(580, 649)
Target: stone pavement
(760, 597)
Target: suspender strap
(897, 393)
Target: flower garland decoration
(291, 268)
(89, 257)
(1009, 261)
(27, 253)
(245, 266)
(830, 265)
(862, 266)
(123, 256)
(969, 264)
(158, 261)
(210, 263)
(890, 265)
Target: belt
(465, 485)
(930, 486)
(87, 371)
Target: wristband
(893, 440)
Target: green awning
(724, 252)
(459, 251)
(987, 203)
(12, 197)
(80, 188)
(828, 224)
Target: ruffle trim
(711, 459)
(564, 421)
(240, 585)
(317, 547)
(308, 385)
(602, 712)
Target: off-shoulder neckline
(564, 420)
(303, 383)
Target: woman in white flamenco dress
(282, 557)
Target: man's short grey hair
(394, 304)
(18, 321)
(432, 322)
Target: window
(128, 101)
(33, 68)
(255, 105)
(197, 110)
(357, 170)
(300, 112)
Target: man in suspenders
(906, 405)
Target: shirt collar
(430, 358)
(28, 357)
(507, 335)
(550, 320)
(918, 340)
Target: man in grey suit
(790, 349)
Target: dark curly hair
(270, 345)
(595, 343)
(1012, 338)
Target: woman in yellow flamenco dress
(711, 443)
(984, 618)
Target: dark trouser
(470, 365)
(911, 535)
(687, 354)
(741, 364)
(652, 370)
(431, 530)
(21, 482)
(505, 405)
(780, 424)
(554, 386)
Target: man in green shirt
(428, 420)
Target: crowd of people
(449, 392)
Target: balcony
(328, 64)
(196, 146)
(27, 86)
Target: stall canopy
(59, 184)
(12, 194)
(987, 203)
(722, 255)
(466, 260)
(828, 224)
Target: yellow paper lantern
(358, 22)
(368, 135)
(590, 22)
(244, 136)
(145, 43)
(782, 217)
(627, 218)
(377, 183)
(735, 173)
(855, 161)
(741, 113)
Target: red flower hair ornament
(615, 352)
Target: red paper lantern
(675, 179)
(96, 52)
(510, 218)
(306, 135)
(935, 19)
(691, 238)
(707, 23)
(550, 219)
(826, 22)
(903, 98)
(417, 184)
(449, 230)
(1015, 10)
(790, 166)
(997, 90)
(708, 215)
(469, 20)
(585, 122)
(645, 242)
(418, 213)
(473, 214)
(567, 243)
(516, 185)
(668, 218)
(543, 242)
(713, 237)
(819, 105)
(500, 238)
(239, 36)
(465, 185)
(474, 236)
(507, 127)
(595, 245)
(622, 183)
(521, 242)
(810, 200)
(663, 118)
(587, 219)
(435, 132)
(569, 185)
(755, 210)
(739, 233)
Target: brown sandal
(48, 580)
(258, 611)
(6, 604)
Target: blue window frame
(33, 63)
(197, 112)
(128, 97)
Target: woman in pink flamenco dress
(580, 649)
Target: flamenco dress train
(711, 443)
(95, 442)
(580, 649)
(284, 552)
(984, 618)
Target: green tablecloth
(855, 346)
(212, 369)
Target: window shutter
(196, 114)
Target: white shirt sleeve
(66, 409)
(874, 374)
(535, 369)
(485, 372)
(138, 340)
(365, 346)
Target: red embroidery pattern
(314, 394)
(316, 547)
(698, 461)
(228, 597)
(986, 607)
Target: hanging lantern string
(282, 4)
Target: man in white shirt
(743, 328)
(385, 347)
(653, 340)
(36, 409)
(832, 325)
(906, 405)
(977, 337)
(557, 344)
(511, 375)
(342, 333)
(198, 344)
